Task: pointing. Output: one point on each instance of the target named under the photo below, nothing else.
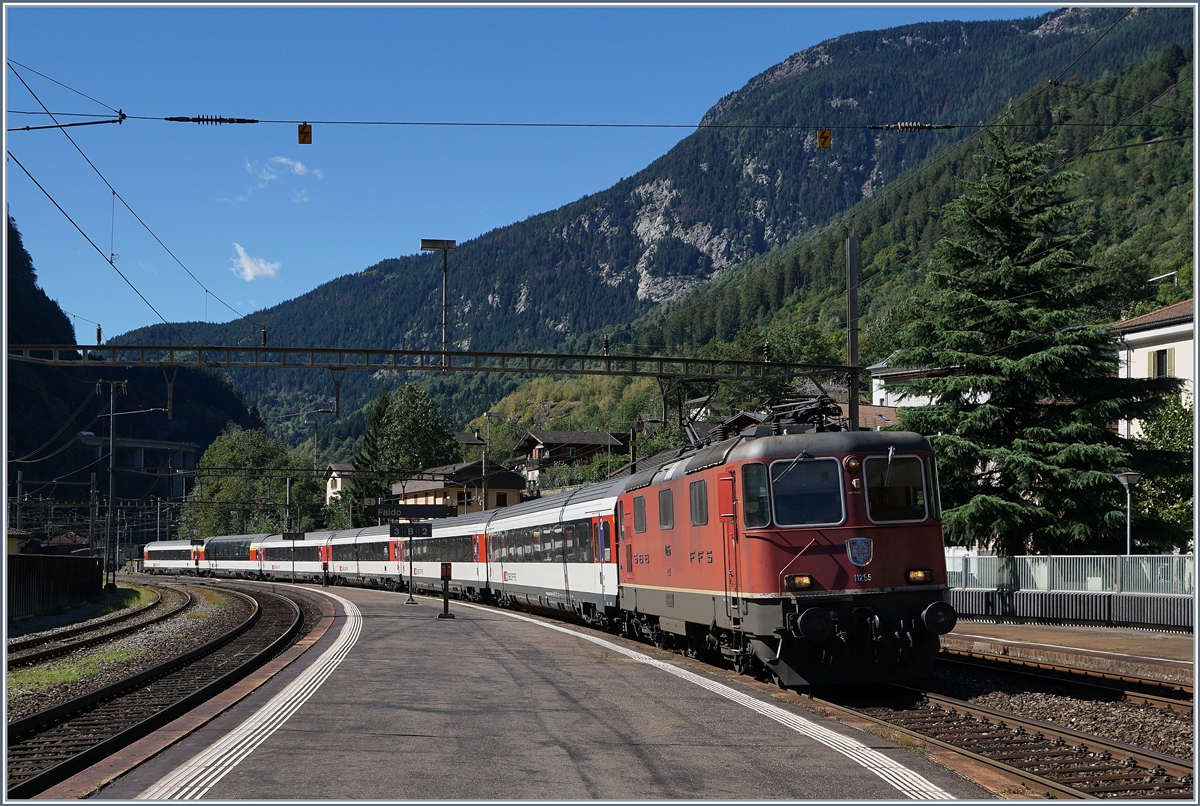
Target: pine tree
(405, 433)
(1023, 381)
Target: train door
(726, 503)
(605, 558)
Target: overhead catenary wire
(99, 250)
(901, 126)
(118, 196)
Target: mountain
(49, 406)
(723, 196)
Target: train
(802, 555)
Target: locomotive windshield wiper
(804, 454)
(887, 474)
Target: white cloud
(298, 168)
(248, 267)
(300, 196)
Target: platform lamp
(1128, 480)
(445, 247)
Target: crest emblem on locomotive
(860, 550)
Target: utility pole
(112, 478)
(445, 247)
(852, 329)
(20, 496)
(92, 517)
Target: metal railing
(1167, 573)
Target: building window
(333, 484)
(462, 499)
(501, 499)
(1162, 363)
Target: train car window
(756, 502)
(666, 509)
(585, 550)
(597, 546)
(931, 484)
(538, 548)
(170, 554)
(568, 538)
(895, 489)
(556, 546)
(606, 541)
(807, 492)
(639, 513)
(698, 502)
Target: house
(885, 380)
(1157, 344)
(16, 538)
(337, 476)
(544, 448)
(472, 445)
(462, 485)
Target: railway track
(1148, 690)
(1139, 681)
(35, 649)
(1049, 759)
(50, 746)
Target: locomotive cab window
(931, 484)
(895, 489)
(807, 492)
(756, 505)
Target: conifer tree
(405, 433)
(1022, 378)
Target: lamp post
(445, 247)
(1128, 480)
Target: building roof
(338, 469)
(873, 417)
(1177, 314)
(464, 438)
(456, 475)
(558, 438)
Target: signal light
(920, 576)
(798, 582)
(852, 464)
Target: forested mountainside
(1130, 191)
(722, 197)
(49, 406)
(1137, 212)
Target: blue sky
(260, 219)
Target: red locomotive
(822, 563)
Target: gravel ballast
(1118, 720)
(211, 615)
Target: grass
(902, 739)
(43, 678)
(210, 596)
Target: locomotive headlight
(921, 576)
(798, 582)
(852, 464)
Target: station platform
(1120, 650)
(394, 703)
